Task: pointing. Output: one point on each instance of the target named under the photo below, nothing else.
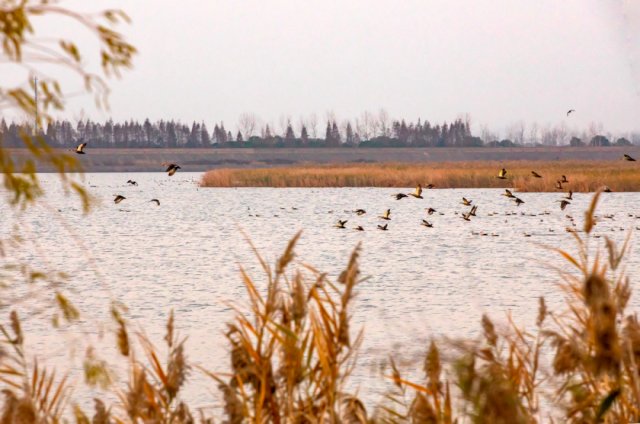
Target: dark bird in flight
(427, 223)
(606, 189)
(564, 179)
(473, 210)
(507, 193)
(429, 186)
(570, 111)
(118, 199)
(466, 202)
(518, 201)
(502, 174)
(156, 201)
(558, 185)
(400, 196)
(131, 182)
(359, 228)
(360, 212)
(466, 216)
(569, 195)
(80, 148)
(341, 223)
(383, 227)
(417, 193)
(535, 174)
(430, 211)
(628, 158)
(563, 204)
(386, 215)
(172, 169)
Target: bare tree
(313, 125)
(533, 133)
(515, 132)
(247, 123)
(384, 123)
(487, 135)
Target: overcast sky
(500, 61)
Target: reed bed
(583, 176)
(292, 349)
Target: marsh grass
(582, 176)
(292, 350)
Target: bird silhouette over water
(535, 174)
(430, 211)
(628, 158)
(466, 202)
(569, 195)
(400, 196)
(564, 204)
(359, 228)
(417, 193)
(508, 193)
(80, 148)
(383, 227)
(502, 174)
(429, 186)
(426, 223)
(386, 215)
(156, 201)
(473, 210)
(172, 169)
(118, 199)
(131, 182)
(360, 212)
(570, 111)
(518, 201)
(340, 223)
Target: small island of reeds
(583, 176)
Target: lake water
(185, 255)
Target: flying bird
(508, 193)
(172, 169)
(564, 179)
(473, 210)
(570, 111)
(118, 199)
(156, 201)
(430, 211)
(360, 212)
(429, 186)
(386, 215)
(383, 227)
(466, 216)
(563, 204)
(400, 196)
(569, 195)
(131, 182)
(628, 158)
(427, 223)
(558, 185)
(518, 201)
(466, 202)
(535, 174)
(417, 193)
(341, 223)
(502, 174)
(359, 228)
(606, 189)
(80, 148)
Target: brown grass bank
(582, 176)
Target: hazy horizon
(499, 62)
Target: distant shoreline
(582, 176)
(200, 160)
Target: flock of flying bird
(417, 193)
(172, 168)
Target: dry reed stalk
(582, 176)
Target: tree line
(364, 133)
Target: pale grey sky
(500, 61)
